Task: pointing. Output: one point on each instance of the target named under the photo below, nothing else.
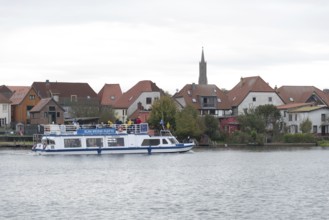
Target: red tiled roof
(109, 94)
(301, 94)
(132, 94)
(19, 93)
(191, 93)
(64, 89)
(245, 86)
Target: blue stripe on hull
(119, 150)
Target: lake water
(291, 183)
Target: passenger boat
(110, 139)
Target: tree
(306, 126)
(211, 126)
(251, 122)
(261, 121)
(270, 114)
(106, 114)
(84, 108)
(164, 110)
(187, 123)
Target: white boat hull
(132, 140)
(123, 150)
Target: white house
(5, 111)
(293, 116)
(251, 92)
(139, 98)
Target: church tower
(203, 71)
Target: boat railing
(132, 128)
(60, 129)
(55, 129)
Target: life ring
(120, 129)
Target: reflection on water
(290, 183)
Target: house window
(32, 97)
(285, 114)
(4, 108)
(208, 102)
(45, 115)
(148, 100)
(58, 114)
(315, 129)
(28, 108)
(74, 98)
(254, 99)
(323, 117)
(290, 117)
(295, 117)
(269, 99)
(52, 108)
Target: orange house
(24, 98)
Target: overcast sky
(286, 42)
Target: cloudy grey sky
(286, 42)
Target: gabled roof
(4, 90)
(245, 86)
(64, 89)
(302, 94)
(109, 94)
(4, 99)
(42, 103)
(191, 93)
(19, 93)
(132, 94)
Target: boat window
(117, 142)
(173, 140)
(151, 142)
(72, 142)
(94, 142)
(52, 142)
(164, 141)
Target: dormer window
(194, 100)
(218, 100)
(112, 97)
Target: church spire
(203, 71)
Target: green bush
(240, 137)
(299, 138)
